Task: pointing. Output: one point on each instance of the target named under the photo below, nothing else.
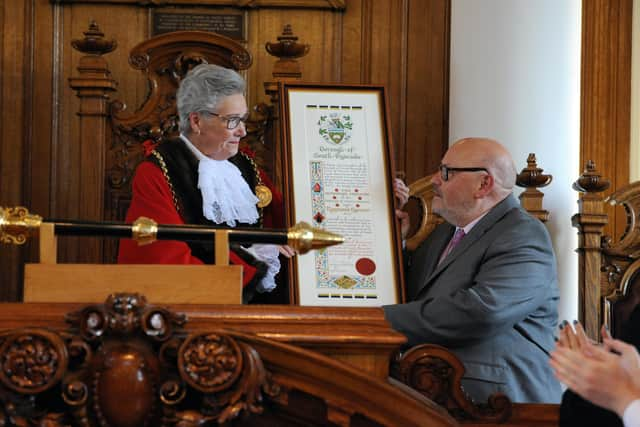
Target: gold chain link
(165, 172)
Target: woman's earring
(198, 132)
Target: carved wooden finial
(590, 181)
(532, 175)
(92, 67)
(94, 42)
(532, 178)
(287, 49)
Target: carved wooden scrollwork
(436, 373)
(129, 364)
(125, 363)
(423, 219)
(629, 198)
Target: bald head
(490, 154)
(479, 174)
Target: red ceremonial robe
(152, 197)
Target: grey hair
(203, 88)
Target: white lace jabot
(226, 196)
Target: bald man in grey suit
(490, 296)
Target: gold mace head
(16, 224)
(302, 237)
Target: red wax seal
(365, 266)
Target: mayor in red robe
(203, 177)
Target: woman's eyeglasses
(231, 121)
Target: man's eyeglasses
(444, 171)
(231, 121)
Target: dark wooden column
(93, 86)
(605, 105)
(590, 222)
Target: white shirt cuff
(631, 414)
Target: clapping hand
(607, 375)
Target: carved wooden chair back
(424, 220)
(609, 285)
(621, 264)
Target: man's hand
(401, 193)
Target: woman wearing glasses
(203, 178)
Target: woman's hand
(401, 193)
(287, 251)
(573, 337)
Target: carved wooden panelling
(126, 363)
(319, 4)
(42, 154)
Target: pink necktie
(457, 236)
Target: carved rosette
(210, 362)
(231, 374)
(241, 60)
(32, 361)
(139, 61)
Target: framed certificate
(338, 175)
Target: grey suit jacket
(492, 301)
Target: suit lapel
(489, 220)
(438, 240)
